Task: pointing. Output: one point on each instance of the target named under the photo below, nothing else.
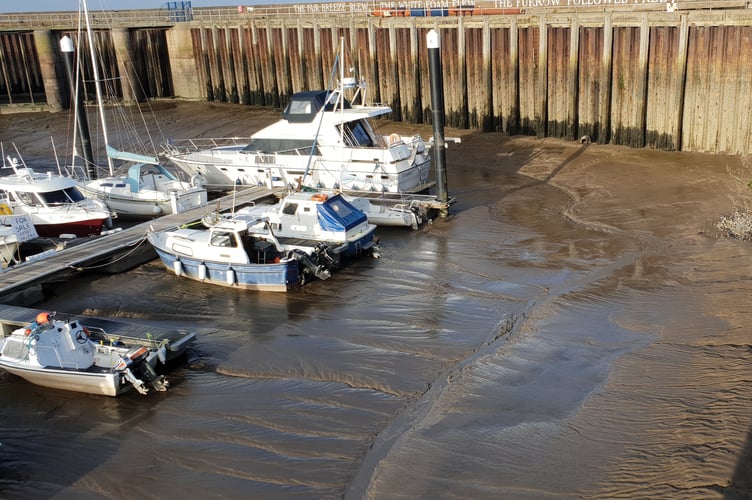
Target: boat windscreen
(62, 196)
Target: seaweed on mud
(737, 225)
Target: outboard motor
(139, 372)
(309, 265)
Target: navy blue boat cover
(336, 214)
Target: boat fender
(5, 209)
(202, 271)
(43, 318)
(177, 267)
(230, 276)
(394, 138)
(319, 197)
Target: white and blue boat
(303, 220)
(231, 253)
(269, 247)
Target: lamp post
(437, 114)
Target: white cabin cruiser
(62, 355)
(54, 203)
(323, 141)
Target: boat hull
(141, 208)
(224, 168)
(80, 228)
(105, 384)
(272, 277)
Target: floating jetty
(116, 252)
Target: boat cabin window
(25, 198)
(63, 196)
(299, 107)
(290, 208)
(356, 135)
(223, 239)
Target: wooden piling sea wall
(665, 80)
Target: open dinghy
(64, 355)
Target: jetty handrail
(167, 17)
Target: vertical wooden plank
(318, 74)
(256, 79)
(243, 71)
(641, 97)
(374, 89)
(394, 97)
(415, 107)
(557, 64)
(680, 73)
(514, 123)
(628, 88)
(590, 82)
(285, 87)
(606, 83)
(528, 75)
(461, 85)
(541, 88)
(476, 89)
(486, 120)
(573, 91)
(693, 112)
(661, 64)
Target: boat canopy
(304, 106)
(137, 171)
(336, 214)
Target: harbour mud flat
(577, 327)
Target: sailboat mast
(95, 69)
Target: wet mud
(576, 328)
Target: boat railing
(184, 146)
(100, 336)
(272, 158)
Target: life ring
(319, 197)
(5, 209)
(394, 138)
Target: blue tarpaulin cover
(336, 214)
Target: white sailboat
(148, 189)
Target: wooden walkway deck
(115, 252)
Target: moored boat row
(341, 178)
